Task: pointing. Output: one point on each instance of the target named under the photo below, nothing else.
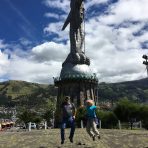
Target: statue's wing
(67, 21)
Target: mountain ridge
(15, 90)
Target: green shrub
(81, 115)
(108, 119)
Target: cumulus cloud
(31, 67)
(126, 10)
(116, 54)
(40, 64)
(49, 51)
(115, 51)
(31, 71)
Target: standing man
(68, 117)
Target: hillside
(14, 92)
(134, 90)
(17, 88)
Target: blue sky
(23, 19)
(33, 47)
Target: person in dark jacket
(68, 117)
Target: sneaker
(62, 142)
(71, 140)
(93, 137)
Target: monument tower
(76, 78)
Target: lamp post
(53, 118)
(96, 96)
(145, 62)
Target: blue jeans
(71, 122)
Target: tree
(48, 115)
(108, 118)
(81, 115)
(127, 111)
(121, 110)
(49, 111)
(27, 116)
(144, 115)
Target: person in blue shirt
(91, 126)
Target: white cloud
(49, 51)
(52, 15)
(4, 64)
(91, 3)
(40, 64)
(126, 10)
(116, 54)
(56, 28)
(114, 65)
(62, 4)
(29, 70)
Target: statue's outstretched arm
(67, 21)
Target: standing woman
(91, 126)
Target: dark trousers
(71, 122)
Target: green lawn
(51, 139)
